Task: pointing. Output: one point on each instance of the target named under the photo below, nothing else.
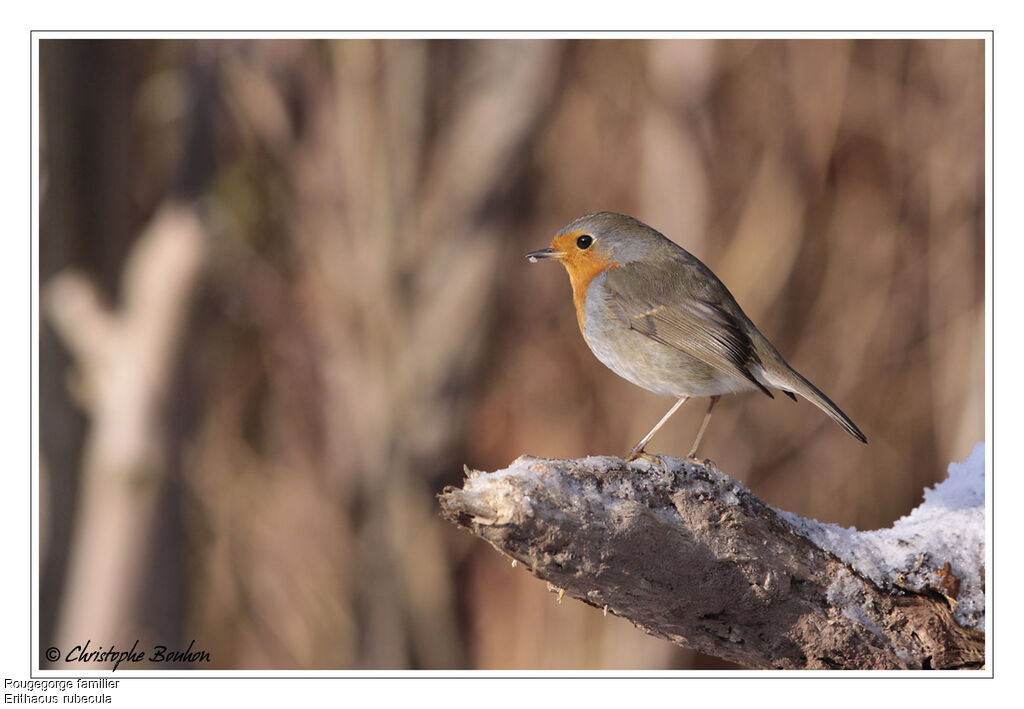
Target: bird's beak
(544, 253)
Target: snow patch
(940, 545)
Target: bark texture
(688, 554)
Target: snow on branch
(688, 554)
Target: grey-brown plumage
(657, 316)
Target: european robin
(657, 316)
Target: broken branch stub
(689, 555)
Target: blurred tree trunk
(87, 221)
(400, 245)
(124, 361)
(121, 578)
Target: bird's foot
(656, 459)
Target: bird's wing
(659, 305)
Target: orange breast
(583, 267)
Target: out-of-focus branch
(401, 239)
(689, 555)
(123, 360)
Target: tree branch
(688, 554)
(124, 357)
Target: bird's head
(594, 243)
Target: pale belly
(646, 362)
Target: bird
(655, 315)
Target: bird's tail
(818, 399)
(794, 383)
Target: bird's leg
(638, 449)
(703, 425)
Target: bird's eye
(585, 241)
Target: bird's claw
(656, 459)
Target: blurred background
(284, 301)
